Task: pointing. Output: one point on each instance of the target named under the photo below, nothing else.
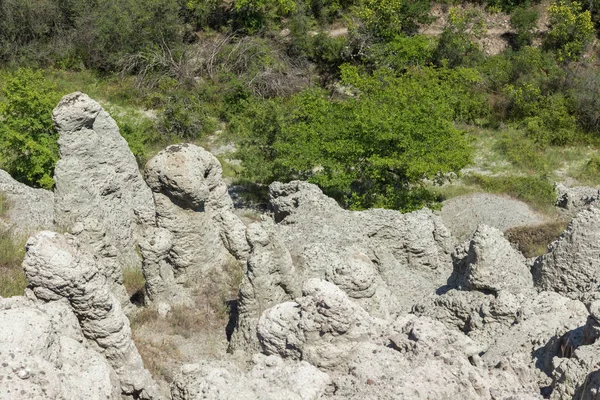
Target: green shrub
(457, 44)
(571, 29)
(373, 150)
(524, 21)
(402, 52)
(28, 148)
(386, 19)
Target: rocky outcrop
(42, 357)
(100, 195)
(575, 199)
(368, 254)
(271, 378)
(58, 267)
(488, 263)
(198, 231)
(572, 264)
(24, 209)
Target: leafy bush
(373, 150)
(402, 52)
(524, 21)
(386, 19)
(457, 44)
(589, 173)
(571, 29)
(28, 147)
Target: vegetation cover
(344, 93)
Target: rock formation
(572, 264)
(333, 304)
(197, 230)
(57, 268)
(100, 195)
(368, 254)
(26, 210)
(42, 356)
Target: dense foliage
(343, 93)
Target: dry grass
(533, 241)
(12, 251)
(133, 280)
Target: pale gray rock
(100, 195)
(572, 264)
(192, 203)
(321, 327)
(38, 361)
(59, 267)
(270, 279)
(463, 214)
(27, 209)
(368, 254)
(488, 263)
(271, 378)
(574, 199)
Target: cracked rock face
(271, 378)
(197, 230)
(100, 195)
(58, 267)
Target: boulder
(488, 263)
(24, 209)
(575, 199)
(100, 195)
(58, 267)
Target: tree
(28, 140)
(373, 150)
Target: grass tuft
(533, 241)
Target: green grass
(534, 190)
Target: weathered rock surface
(572, 264)
(198, 231)
(59, 267)
(575, 199)
(26, 209)
(488, 263)
(368, 254)
(40, 359)
(271, 378)
(100, 195)
(462, 214)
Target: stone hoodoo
(43, 355)
(100, 195)
(58, 268)
(197, 230)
